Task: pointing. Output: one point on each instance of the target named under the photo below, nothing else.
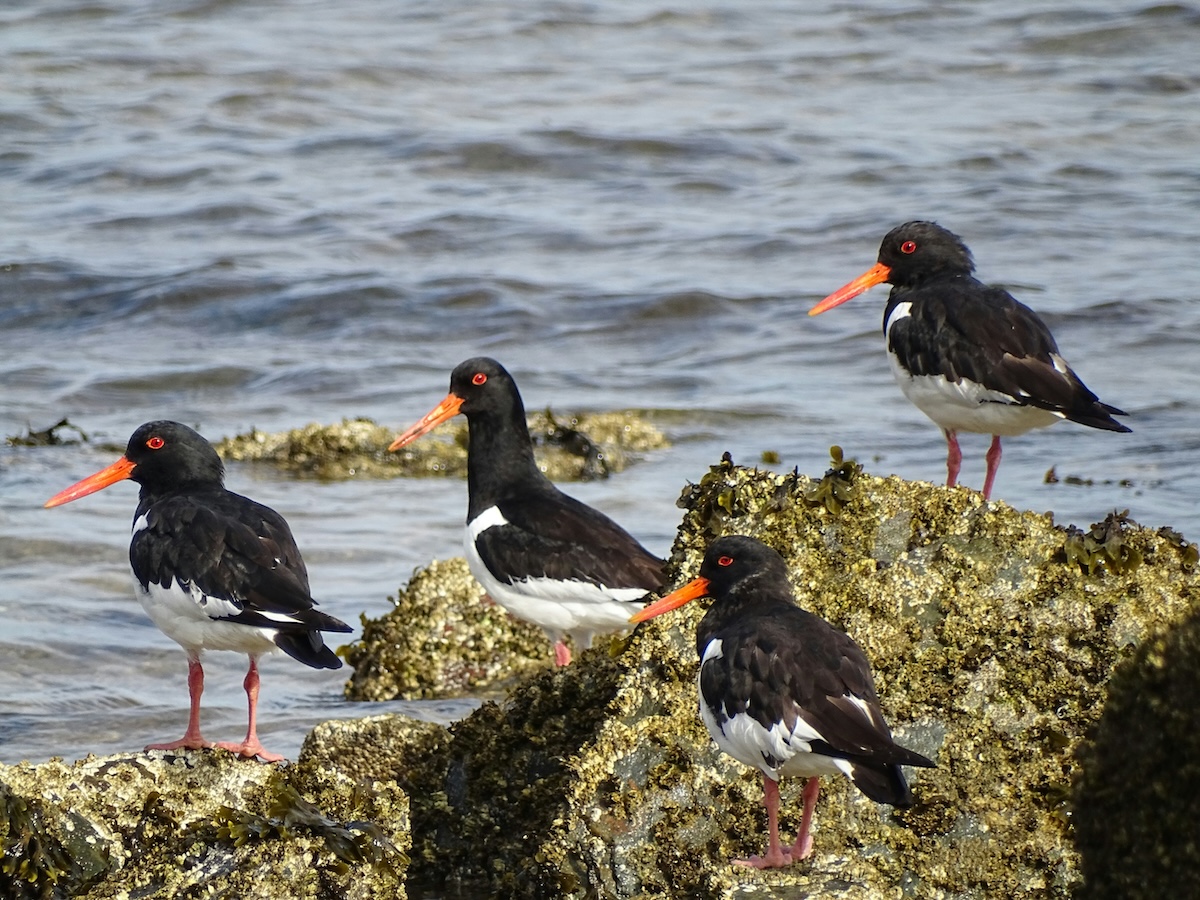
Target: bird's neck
(500, 458)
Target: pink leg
(250, 747)
(776, 857)
(953, 457)
(562, 653)
(993, 464)
(803, 846)
(191, 739)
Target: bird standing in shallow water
(783, 691)
(213, 569)
(543, 556)
(967, 354)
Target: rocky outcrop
(1051, 673)
(568, 447)
(198, 823)
(993, 634)
(443, 638)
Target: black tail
(309, 648)
(883, 784)
(1098, 415)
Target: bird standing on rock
(783, 691)
(967, 354)
(213, 569)
(544, 556)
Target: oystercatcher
(543, 556)
(213, 569)
(783, 691)
(967, 354)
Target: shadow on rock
(1138, 795)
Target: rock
(444, 638)
(577, 448)
(191, 823)
(993, 635)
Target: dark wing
(556, 536)
(234, 551)
(959, 328)
(789, 666)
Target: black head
(735, 565)
(162, 457)
(484, 386)
(167, 455)
(916, 251)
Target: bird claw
(249, 750)
(773, 860)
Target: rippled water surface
(240, 214)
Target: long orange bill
(118, 471)
(447, 409)
(698, 587)
(877, 274)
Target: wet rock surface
(444, 638)
(993, 641)
(568, 447)
(198, 823)
(1051, 672)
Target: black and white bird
(213, 569)
(544, 556)
(968, 354)
(783, 691)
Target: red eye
(908, 247)
(478, 378)
(725, 561)
(155, 443)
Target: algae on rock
(992, 648)
(444, 638)
(577, 448)
(171, 824)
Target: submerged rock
(573, 448)
(445, 638)
(198, 823)
(993, 641)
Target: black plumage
(215, 570)
(782, 690)
(543, 555)
(968, 354)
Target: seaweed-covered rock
(575, 448)
(993, 644)
(444, 638)
(173, 824)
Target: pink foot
(773, 860)
(562, 654)
(802, 849)
(249, 750)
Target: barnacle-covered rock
(993, 651)
(444, 638)
(568, 448)
(193, 823)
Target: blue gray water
(238, 213)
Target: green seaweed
(34, 862)
(837, 488)
(1104, 546)
(290, 814)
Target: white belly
(578, 608)
(967, 406)
(180, 616)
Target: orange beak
(697, 587)
(118, 471)
(877, 274)
(447, 409)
